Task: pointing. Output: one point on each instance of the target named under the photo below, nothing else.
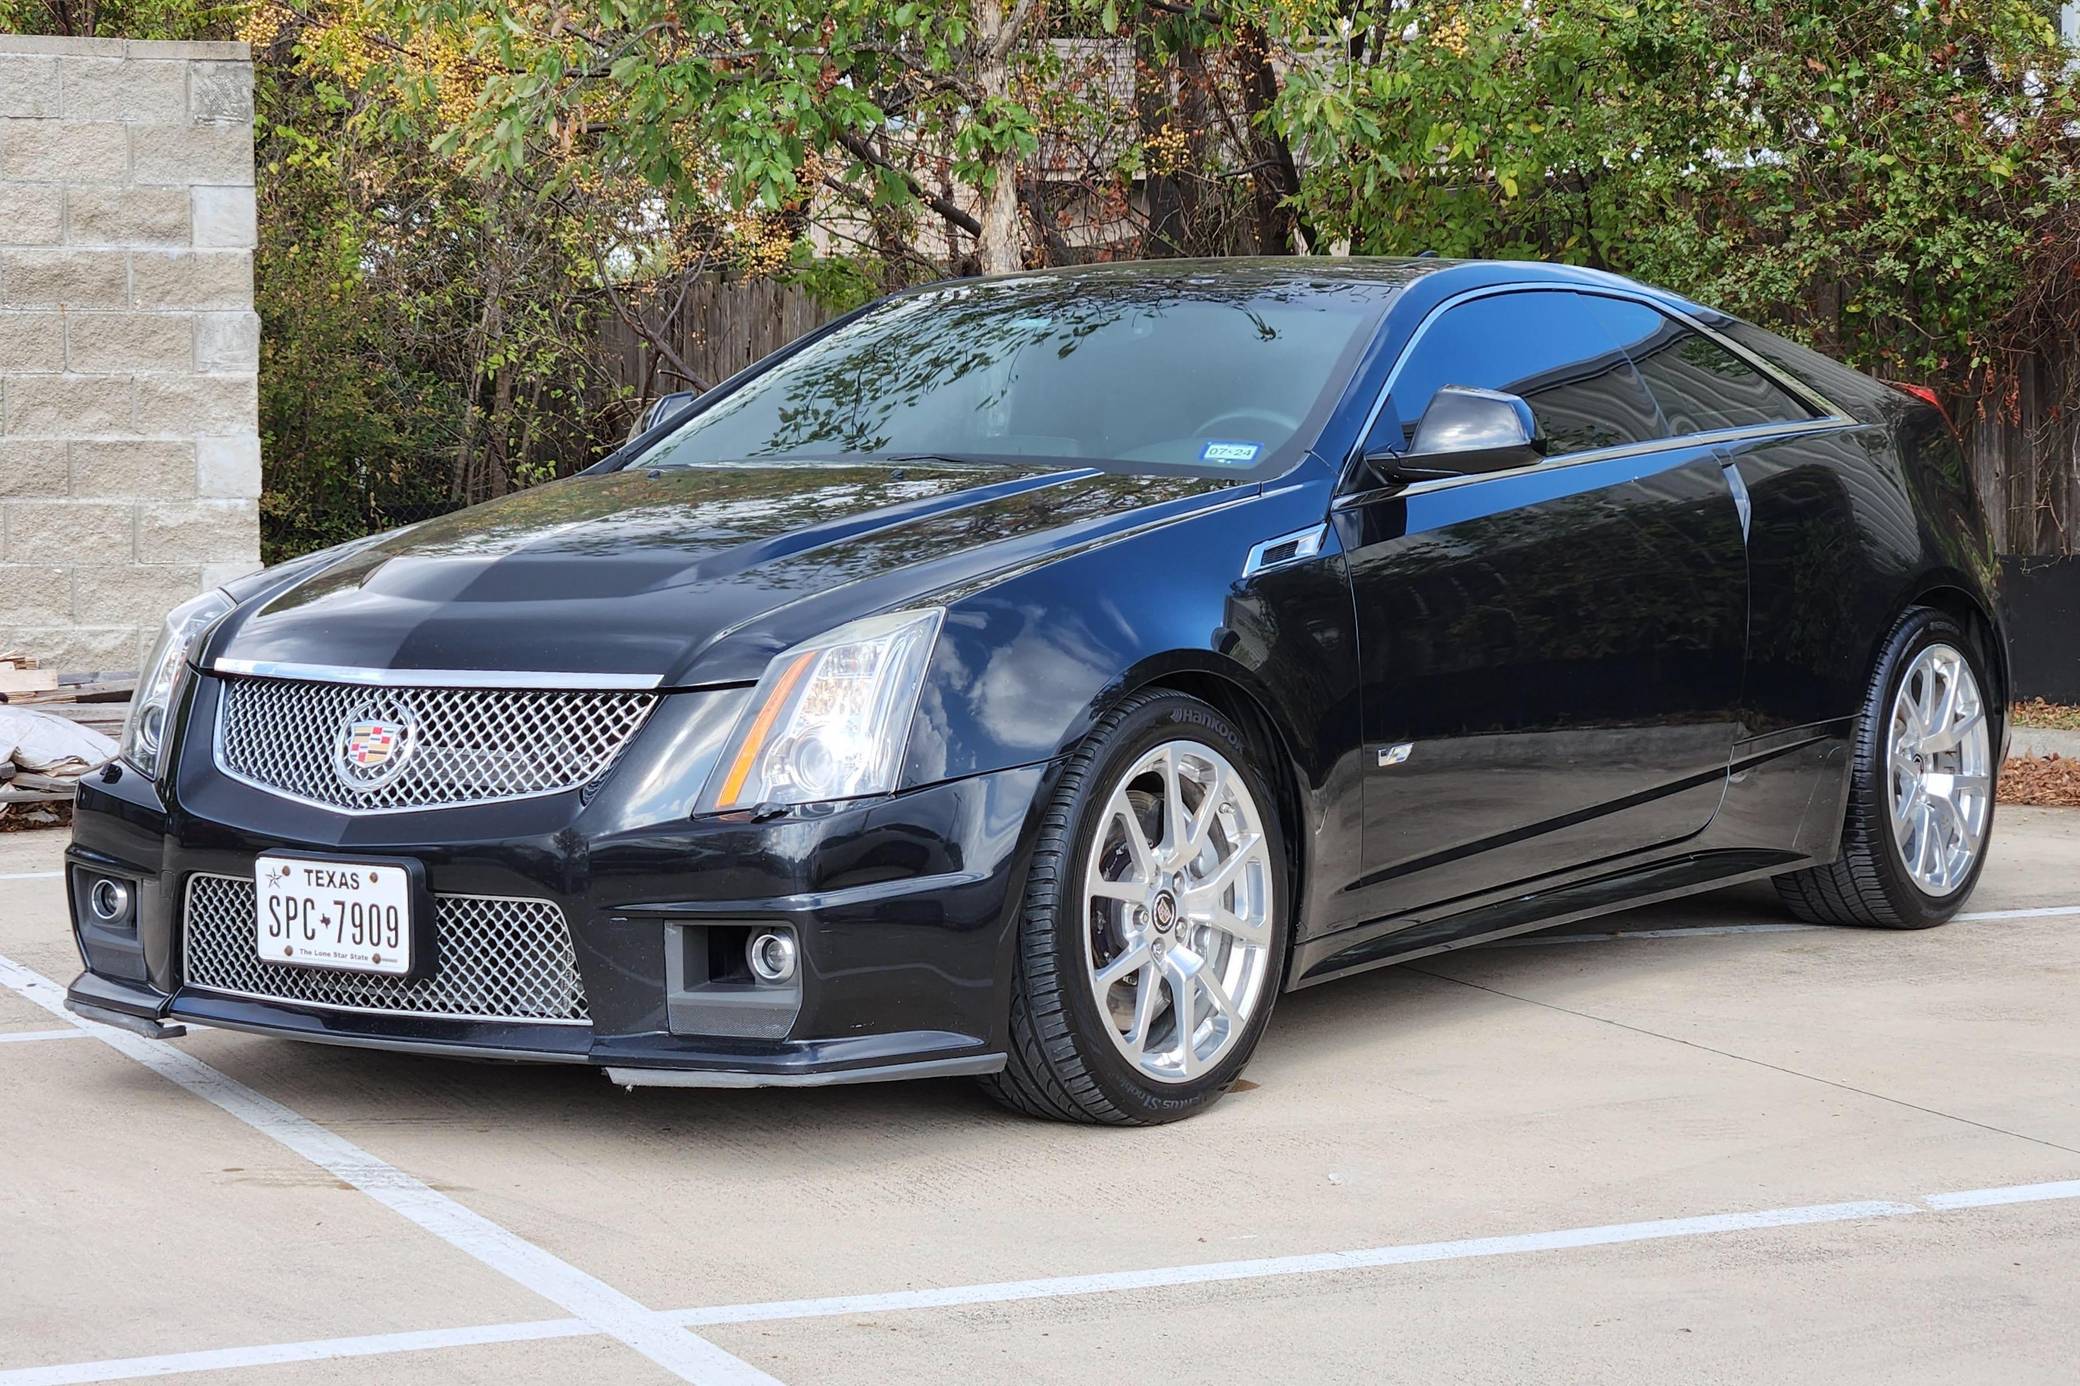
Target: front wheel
(1155, 922)
(1921, 800)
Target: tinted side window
(1699, 384)
(1845, 387)
(1546, 346)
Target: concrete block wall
(129, 350)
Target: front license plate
(356, 916)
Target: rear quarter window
(1843, 386)
(1703, 388)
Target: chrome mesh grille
(495, 959)
(461, 745)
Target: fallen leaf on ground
(2036, 712)
(2041, 782)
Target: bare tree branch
(1013, 27)
(867, 154)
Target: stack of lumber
(98, 701)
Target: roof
(1392, 271)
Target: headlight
(144, 735)
(830, 718)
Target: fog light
(771, 957)
(109, 900)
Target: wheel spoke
(1121, 811)
(1951, 736)
(1219, 998)
(1131, 892)
(1967, 835)
(1904, 816)
(1924, 695)
(1147, 992)
(1202, 821)
(1235, 926)
(1224, 875)
(1125, 965)
(1926, 856)
(1183, 1009)
(1176, 822)
(1946, 710)
(1958, 818)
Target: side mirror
(662, 410)
(1464, 431)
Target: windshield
(1200, 373)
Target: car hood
(691, 577)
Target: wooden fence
(723, 326)
(2024, 456)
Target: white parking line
(1317, 1263)
(606, 1309)
(1059, 1287)
(661, 1335)
(2007, 1194)
(30, 875)
(25, 1036)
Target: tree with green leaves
(1869, 175)
(455, 192)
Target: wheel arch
(1228, 691)
(1957, 602)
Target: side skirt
(1782, 811)
(1323, 961)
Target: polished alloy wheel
(1939, 757)
(1177, 911)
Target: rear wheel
(1155, 922)
(1922, 797)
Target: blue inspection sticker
(1223, 451)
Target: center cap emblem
(374, 742)
(1164, 911)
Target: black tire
(1868, 884)
(1061, 1065)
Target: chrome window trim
(528, 679)
(1308, 544)
(1683, 442)
(1830, 416)
(200, 988)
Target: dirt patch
(2041, 782)
(2035, 712)
(24, 818)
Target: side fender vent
(1286, 548)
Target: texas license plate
(356, 916)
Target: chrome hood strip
(439, 678)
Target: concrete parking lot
(1690, 1143)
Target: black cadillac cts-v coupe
(1033, 677)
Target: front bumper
(901, 908)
